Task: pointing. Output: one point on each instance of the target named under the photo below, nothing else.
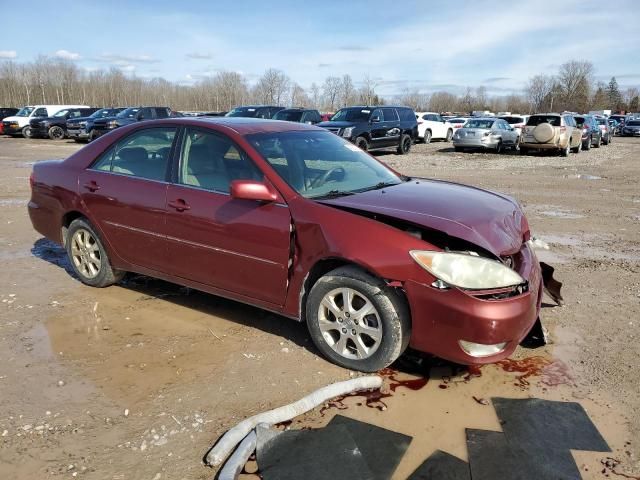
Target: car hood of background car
(336, 124)
(487, 219)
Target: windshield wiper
(379, 186)
(333, 194)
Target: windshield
(601, 121)
(290, 116)
(61, 113)
(321, 164)
(478, 124)
(243, 112)
(128, 113)
(352, 115)
(103, 112)
(24, 112)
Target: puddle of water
(583, 176)
(8, 202)
(561, 214)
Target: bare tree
(315, 95)
(272, 87)
(347, 91)
(331, 90)
(575, 78)
(442, 102)
(367, 93)
(414, 99)
(537, 91)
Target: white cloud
(199, 55)
(118, 59)
(67, 55)
(8, 54)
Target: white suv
(433, 126)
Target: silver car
(486, 133)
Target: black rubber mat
(322, 454)
(547, 425)
(381, 449)
(442, 466)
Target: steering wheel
(322, 179)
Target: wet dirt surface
(138, 380)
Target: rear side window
(162, 113)
(513, 120)
(389, 114)
(143, 154)
(211, 161)
(406, 115)
(538, 119)
(40, 112)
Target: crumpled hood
(490, 220)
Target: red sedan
(296, 220)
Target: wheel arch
(320, 268)
(66, 220)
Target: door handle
(180, 205)
(92, 186)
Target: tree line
(59, 81)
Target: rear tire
(499, 147)
(405, 144)
(449, 135)
(427, 136)
(362, 143)
(362, 341)
(587, 145)
(88, 256)
(598, 143)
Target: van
(19, 123)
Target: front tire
(56, 133)
(499, 147)
(362, 143)
(26, 132)
(565, 151)
(88, 256)
(356, 320)
(405, 144)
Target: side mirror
(375, 119)
(252, 190)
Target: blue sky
(427, 45)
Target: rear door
(240, 246)
(124, 192)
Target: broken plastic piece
(551, 285)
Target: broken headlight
(467, 271)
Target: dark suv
(300, 115)
(4, 113)
(56, 127)
(81, 129)
(128, 116)
(591, 133)
(254, 111)
(372, 128)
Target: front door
(240, 246)
(124, 192)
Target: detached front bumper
(441, 319)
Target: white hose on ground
(237, 461)
(229, 440)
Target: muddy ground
(136, 381)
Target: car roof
(241, 125)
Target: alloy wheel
(85, 253)
(349, 323)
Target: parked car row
(78, 122)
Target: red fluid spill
(375, 399)
(551, 372)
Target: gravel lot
(138, 380)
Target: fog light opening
(481, 349)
